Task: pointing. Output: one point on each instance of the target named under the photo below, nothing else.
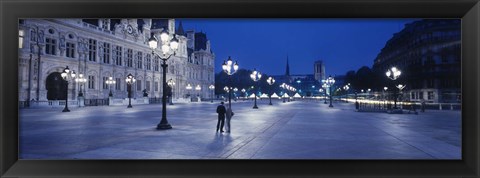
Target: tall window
(139, 85)
(139, 60)
(106, 53)
(118, 83)
(91, 82)
(21, 35)
(147, 85)
(33, 36)
(117, 55)
(156, 86)
(70, 50)
(92, 50)
(50, 46)
(148, 63)
(129, 57)
(105, 86)
(155, 64)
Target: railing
(155, 100)
(96, 102)
(381, 106)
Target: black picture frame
(467, 10)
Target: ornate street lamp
(255, 76)
(270, 82)
(244, 94)
(346, 87)
(67, 75)
(212, 88)
(320, 91)
(170, 84)
(400, 88)
(198, 88)
(80, 80)
(169, 47)
(393, 74)
(283, 86)
(325, 87)
(230, 68)
(110, 82)
(235, 93)
(330, 81)
(384, 98)
(189, 87)
(226, 89)
(129, 80)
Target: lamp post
(283, 86)
(255, 76)
(169, 47)
(80, 80)
(270, 82)
(330, 81)
(325, 86)
(189, 87)
(235, 93)
(67, 75)
(230, 68)
(198, 88)
(244, 94)
(393, 74)
(130, 80)
(212, 88)
(400, 88)
(384, 98)
(170, 84)
(346, 87)
(226, 89)
(110, 82)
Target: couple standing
(222, 114)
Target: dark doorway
(56, 87)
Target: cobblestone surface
(292, 130)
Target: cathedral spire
(180, 30)
(287, 72)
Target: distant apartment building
(428, 52)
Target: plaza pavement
(292, 130)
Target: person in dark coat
(221, 116)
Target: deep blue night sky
(343, 44)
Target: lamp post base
(129, 106)
(163, 126)
(66, 110)
(330, 106)
(255, 107)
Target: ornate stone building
(103, 48)
(428, 52)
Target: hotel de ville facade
(103, 49)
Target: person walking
(221, 116)
(229, 114)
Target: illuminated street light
(171, 83)
(255, 76)
(110, 82)
(330, 81)
(129, 80)
(270, 82)
(212, 88)
(169, 47)
(230, 68)
(393, 74)
(67, 75)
